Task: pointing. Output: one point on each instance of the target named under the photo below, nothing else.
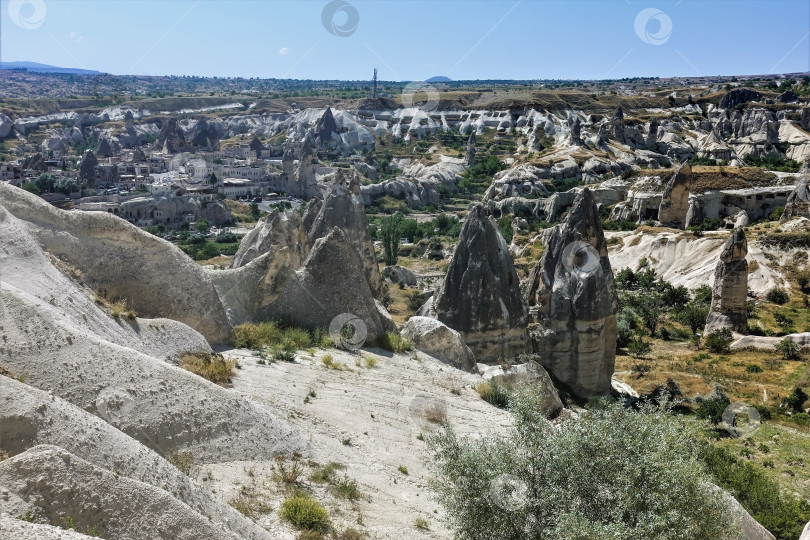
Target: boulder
(798, 202)
(675, 201)
(480, 295)
(529, 373)
(730, 290)
(399, 274)
(436, 339)
(573, 301)
(343, 208)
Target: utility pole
(374, 94)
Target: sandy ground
(367, 419)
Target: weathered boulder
(343, 208)
(573, 300)
(399, 274)
(675, 200)
(274, 231)
(798, 202)
(739, 96)
(436, 339)
(531, 373)
(480, 295)
(730, 289)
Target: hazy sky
(411, 40)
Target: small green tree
(255, 213)
(789, 350)
(642, 478)
(638, 348)
(389, 233)
(719, 341)
(32, 187)
(694, 316)
(202, 226)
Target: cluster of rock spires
(304, 268)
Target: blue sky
(411, 40)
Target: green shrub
(638, 348)
(305, 513)
(212, 366)
(393, 342)
(777, 296)
(719, 340)
(531, 482)
(789, 350)
(753, 368)
(494, 394)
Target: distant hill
(439, 78)
(44, 68)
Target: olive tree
(613, 474)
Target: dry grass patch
(211, 366)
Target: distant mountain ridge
(439, 78)
(44, 68)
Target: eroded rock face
(738, 96)
(436, 339)
(652, 136)
(305, 184)
(206, 135)
(576, 134)
(104, 149)
(798, 202)
(480, 295)
(87, 167)
(469, 156)
(573, 300)
(343, 208)
(730, 287)
(171, 138)
(617, 126)
(675, 200)
(273, 232)
(325, 127)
